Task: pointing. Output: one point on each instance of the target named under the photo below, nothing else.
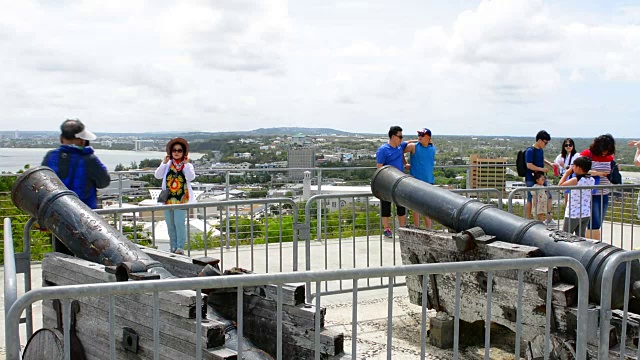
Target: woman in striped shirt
(601, 152)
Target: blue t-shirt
(388, 155)
(534, 156)
(80, 171)
(423, 162)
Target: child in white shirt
(578, 210)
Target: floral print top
(177, 184)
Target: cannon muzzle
(461, 213)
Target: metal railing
(66, 293)
(17, 263)
(230, 212)
(349, 225)
(318, 174)
(621, 214)
(606, 291)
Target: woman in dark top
(177, 173)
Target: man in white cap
(76, 165)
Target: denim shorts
(599, 206)
(529, 194)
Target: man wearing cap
(75, 163)
(422, 160)
(392, 153)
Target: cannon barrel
(461, 213)
(40, 193)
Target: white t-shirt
(562, 162)
(580, 200)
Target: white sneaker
(551, 222)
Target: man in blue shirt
(76, 165)
(422, 161)
(534, 157)
(392, 153)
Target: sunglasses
(176, 150)
(568, 145)
(399, 136)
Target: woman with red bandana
(177, 173)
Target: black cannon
(40, 193)
(461, 213)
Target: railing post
(468, 185)
(226, 208)
(12, 329)
(318, 210)
(120, 201)
(23, 263)
(294, 210)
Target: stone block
(441, 331)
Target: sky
(499, 67)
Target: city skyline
(486, 68)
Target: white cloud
(224, 65)
(609, 50)
(134, 59)
(517, 50)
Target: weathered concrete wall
(425, 246)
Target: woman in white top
(635, 144)
(565, 160)
(567, 155)
(176, 173)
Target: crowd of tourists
(585, 209)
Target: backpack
(521, 163)
(614, 176)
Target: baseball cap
(74, 128)
(424, 131)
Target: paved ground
(372, 304)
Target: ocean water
(14, 159)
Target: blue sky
(500, 67)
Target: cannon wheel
(49, 344)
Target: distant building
(487, 172)
(272, 165)
(244, 155)
(300, 157)
(144, 144)
(298, 140)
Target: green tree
(149, 163)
